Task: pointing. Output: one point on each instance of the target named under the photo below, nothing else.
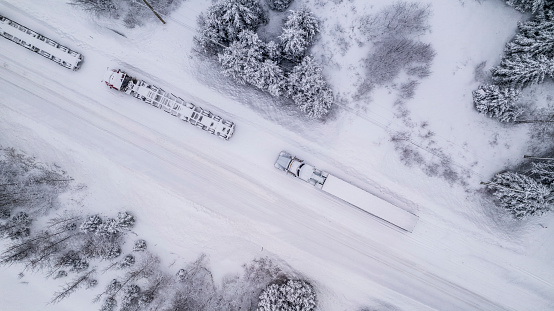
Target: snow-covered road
(115, 142)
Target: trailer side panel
(370, 203)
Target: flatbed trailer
(119, 80)
(40, 44)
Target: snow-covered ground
(193, 193)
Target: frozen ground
(193, 193)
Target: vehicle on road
(347, 192)
(40, 44)
(176, 106)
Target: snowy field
(192, 192)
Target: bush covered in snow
(391, 56)
(399, 20)
(292, 295)
(396, 47)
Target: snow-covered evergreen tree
(140, 245)
(128, 261)
(131, 295)
(497, 102)
(124, 221)
(308, 89)
(109, 251)
(17, 227)
(299, 32)
(73, 259)
(113, 287)
(225, 20)
(241, 60)
(535, 37)
(244, 61)
(543, 172)
(533, 6)
(520, 70)
(521, 195)
(107, 228)
(109, 304)
(278, 5)
(99, 7)
(292, 295)
(60, 274)
(269, 77)
(272, 51)
(91, 224)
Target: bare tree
(71, 287)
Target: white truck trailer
(347, 192)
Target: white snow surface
(192, 192)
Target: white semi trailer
(347, 192)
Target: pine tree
(99, 7)
(131, 295)
(535, 37)
(113, 287)
(224, 21)
(241, 60)
(278, 5)
(91, 224)
(140, 245)
(299, 32)
(109, 304)
(521, 195)
(124, 221)
(128, 261)
(272, 52)
(308, 89)
(269, 77)
(533, 6)
(518, 70)
(17, 227)
(292, 295)
(496, 102)
(543, 172)
(111, 227)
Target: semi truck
(347, 192)
(119, 80)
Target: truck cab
(301, 170)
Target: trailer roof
(370, 203)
